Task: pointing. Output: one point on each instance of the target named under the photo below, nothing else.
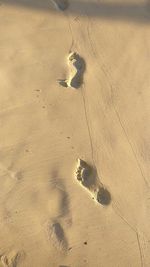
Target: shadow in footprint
(79, 64)
(64, 204)
(59, 236)
(103, 196)
(87, 176)
(60, 4)
(59, 231)
(77, 67)
(90, 181)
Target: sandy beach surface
(74, 133)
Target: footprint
(87, 176)
(83, 171)
(63, 213)
(58, 210)
(76, 70)
(57, 236)
(60, 4)
(10, 260)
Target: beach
(75, 133)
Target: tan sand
(101, 114)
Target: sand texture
(75, 133)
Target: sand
(74, 85)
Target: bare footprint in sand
(10, 260)
(76, 70)
(57, 236)
(87, 177)
(55, 228)
(60, 4)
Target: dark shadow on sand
(128, 11)
(90, 180)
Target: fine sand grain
(75, 131)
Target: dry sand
(56, 108)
